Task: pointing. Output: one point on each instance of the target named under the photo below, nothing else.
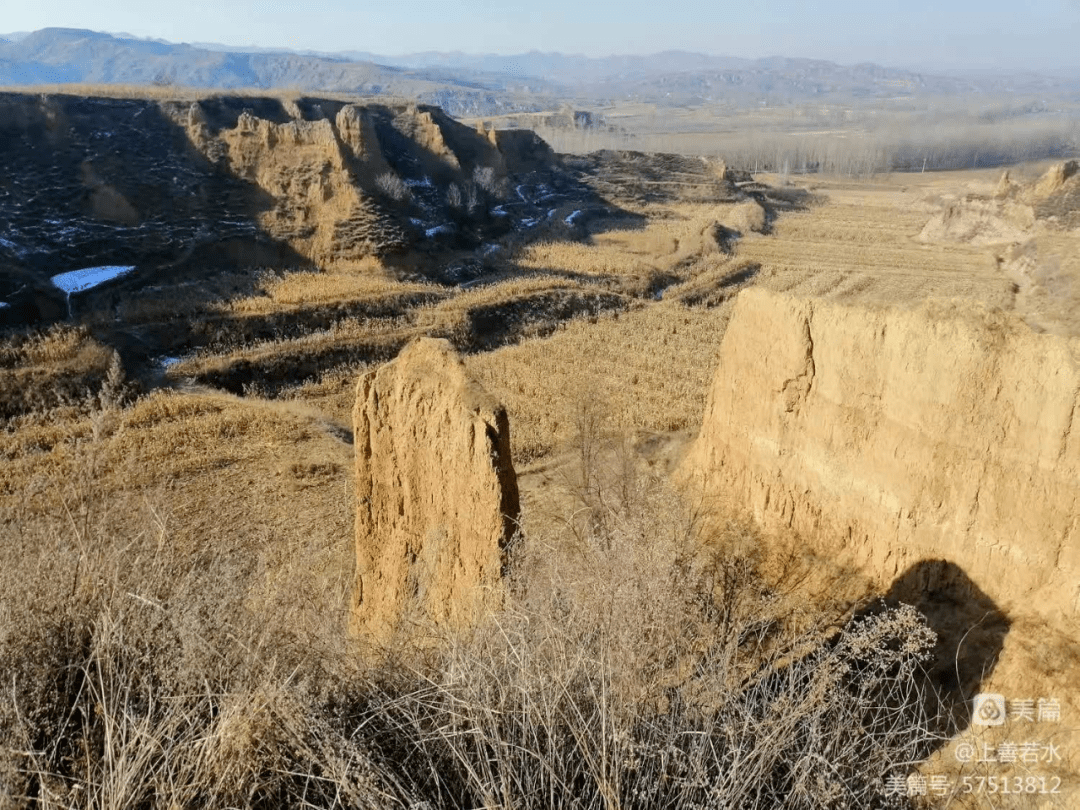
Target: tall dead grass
(50, 369)
(644, 662)
(641, 660)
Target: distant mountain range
(466, 84)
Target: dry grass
(642, 663)
(574, 257)
(160, 653)
(362, 280)
(45, 370)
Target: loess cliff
(891, 436)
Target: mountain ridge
(483, 84)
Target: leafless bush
(638, 672)
(454, 197)
(393, 186)
(484, 177)
(472, 197)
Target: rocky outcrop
(894, 436)
(1054, 179)
(437, 497)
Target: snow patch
(551, 213)
(570, 219)
(79, 280)
(439, 229)
(659, 294)
(4, 304)
(166, 362)
(520, 193)
(499, 212)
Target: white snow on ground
(570, 219)
(439, 229)
(8, 243)
(4, 304)
(488, 250)
(79, 280)
(551, 213)
(499, 212)
(426, 182)
(528, 223)
(416, 221)
(165, 362)
(520, 194)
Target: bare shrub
(641, 660)
(136, 673)
(393, 186)
(472, 197)
(635, 671)
(484, 178)
(454, 197)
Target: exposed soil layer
(436, 493)
(898, 435)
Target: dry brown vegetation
(50, 369)
(161, 658)
(616, 368)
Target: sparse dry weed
(158, 652)
(641, 664)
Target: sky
(921, 34)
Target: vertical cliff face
(437, 497)
(947, 432)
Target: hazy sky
(1036, 34)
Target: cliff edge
(951, 431)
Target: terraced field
(860, 242)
